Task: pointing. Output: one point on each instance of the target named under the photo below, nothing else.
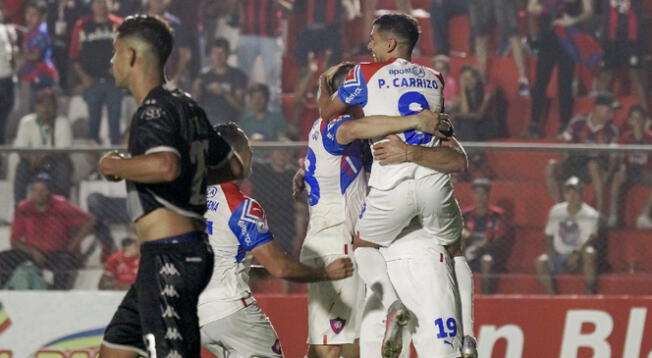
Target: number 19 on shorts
(447, 330)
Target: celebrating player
(404, 191)
(232, 323)
(173, 151)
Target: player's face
(377, 44)
(120, 63)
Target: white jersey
(570, 232)
(393, 88)
(336, 182)
(236, 225)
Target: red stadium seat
(459, 31)
(609, 284)
(457, 62)
(518, 115)
(291, 72)
(520, 166)
(629, 250)
(634, 203)
(528, 244)
(426, 43)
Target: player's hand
(298, 183)
(438, 124)
(392, 150)
(339, 269)
(103, 162)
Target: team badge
(212, 191)
(337, 324)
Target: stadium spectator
(631, 168)
(504, 12)
(441, 64)
(319, 30)
(8, 50)
(570, 234)
(441, 11)
(551, 15)
(261, 122)
(221, 89)
(124, 8)
(285, 216)
(484, 231)
(179, 66)
(304, 110)
(621, 41)
(595, 127)
(61, 19)
(260, 35)
(48, 230)
(37, 70)
(121, 268)
(44, 129)
(91, 51)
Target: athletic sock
(372, 268)
(464, 278)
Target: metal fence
(520, 197)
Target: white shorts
(422, 274)
(245, 333)
(430, 199)
(334, 307)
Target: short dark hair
(153, 30)
(220, 42)
(259, 87)
(232, 134)
(404, 26)
(339, 76)
(127, 241)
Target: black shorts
(158, 315)
(620, 54)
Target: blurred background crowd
(539, 71)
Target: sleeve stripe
(163, 148)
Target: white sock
(372, 268)
(464, 278)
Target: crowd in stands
(257, 62)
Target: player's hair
(39, 5)
(339, 76)
(403, 26)
(259, 87)
(220, 42)
(232, 134)
(127, 241)
(152, 30)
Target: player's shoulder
(233, 196)
(165, 101)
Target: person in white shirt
(231, 322)
(570, 234)
(8, 49)
(44, 129)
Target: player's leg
(464, 280)
(172, 274)
(245, 333)
(123, 337)
(480, 14)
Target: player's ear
(391, 44)
(132, 54)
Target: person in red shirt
(121, 268)
(48, 230)
(484, 230)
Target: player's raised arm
(450, 158)
(280, 265)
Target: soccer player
(401, 192)
(173, 154)
(232, 323)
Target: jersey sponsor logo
(169, 270)
(211, 191)
(172, 334)
(169, 291)
(276, 347)
(212, 205)
(353, 95)
(337, 324)
(152, 112)
(170, 313)
(414, 70)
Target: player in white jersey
(232, 325)
(403, 191)
(337, 186)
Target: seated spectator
(596, 127)
(633, 168)
(48, 230)
(441, 64)
(44, 129)
(107, 210)
(221, 89)
(441, 11)
(571, 232)
(262, 122)
(484, 230)
(121, 268)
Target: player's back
(236, 225)
(171, 121)
(393, 88)
(336, 182)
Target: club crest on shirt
(337, 324)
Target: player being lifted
(232, 324)
(173, 150)
(404, 191)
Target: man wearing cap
(484, 230)
(569, 236)
(48, 230)
(592, 128)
